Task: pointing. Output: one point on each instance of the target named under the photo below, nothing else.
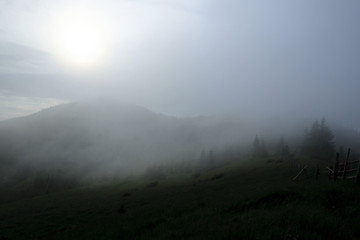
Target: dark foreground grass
(234, 202)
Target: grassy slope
(246, 203)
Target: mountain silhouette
(105, 137)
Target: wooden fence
(343, 169)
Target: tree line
(317, 143)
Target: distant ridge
(107, 136)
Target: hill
(92, 140)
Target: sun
(80, 38)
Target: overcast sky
(192, 57)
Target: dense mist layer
(106, 138)
(188, 57)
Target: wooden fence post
(336, 167)
(330, 172)
(301, 171)
(317, 173)
(346, 163)
(358, 174)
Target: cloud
(17, 58)
(203, 56)
(12, 106)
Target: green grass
(250, 201)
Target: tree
(202, 157)
(326, 143)
(282, 150)
(229, 154)
(259, 148)
(318, 143)
(211, 158)
(342, 152)
(264, 152)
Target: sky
(295, 59)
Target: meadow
(254, 199)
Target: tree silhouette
(282, 149)
(259, 148)
(211, 158)
(318, 142)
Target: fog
(167, 80)
(104, 139)
(196, 57)
(107, 137)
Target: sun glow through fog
(80, 37)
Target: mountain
(107, 137)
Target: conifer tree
(259, 148)
(282, 150)
(318, 143)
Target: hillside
(249, 200)
(105, 138)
